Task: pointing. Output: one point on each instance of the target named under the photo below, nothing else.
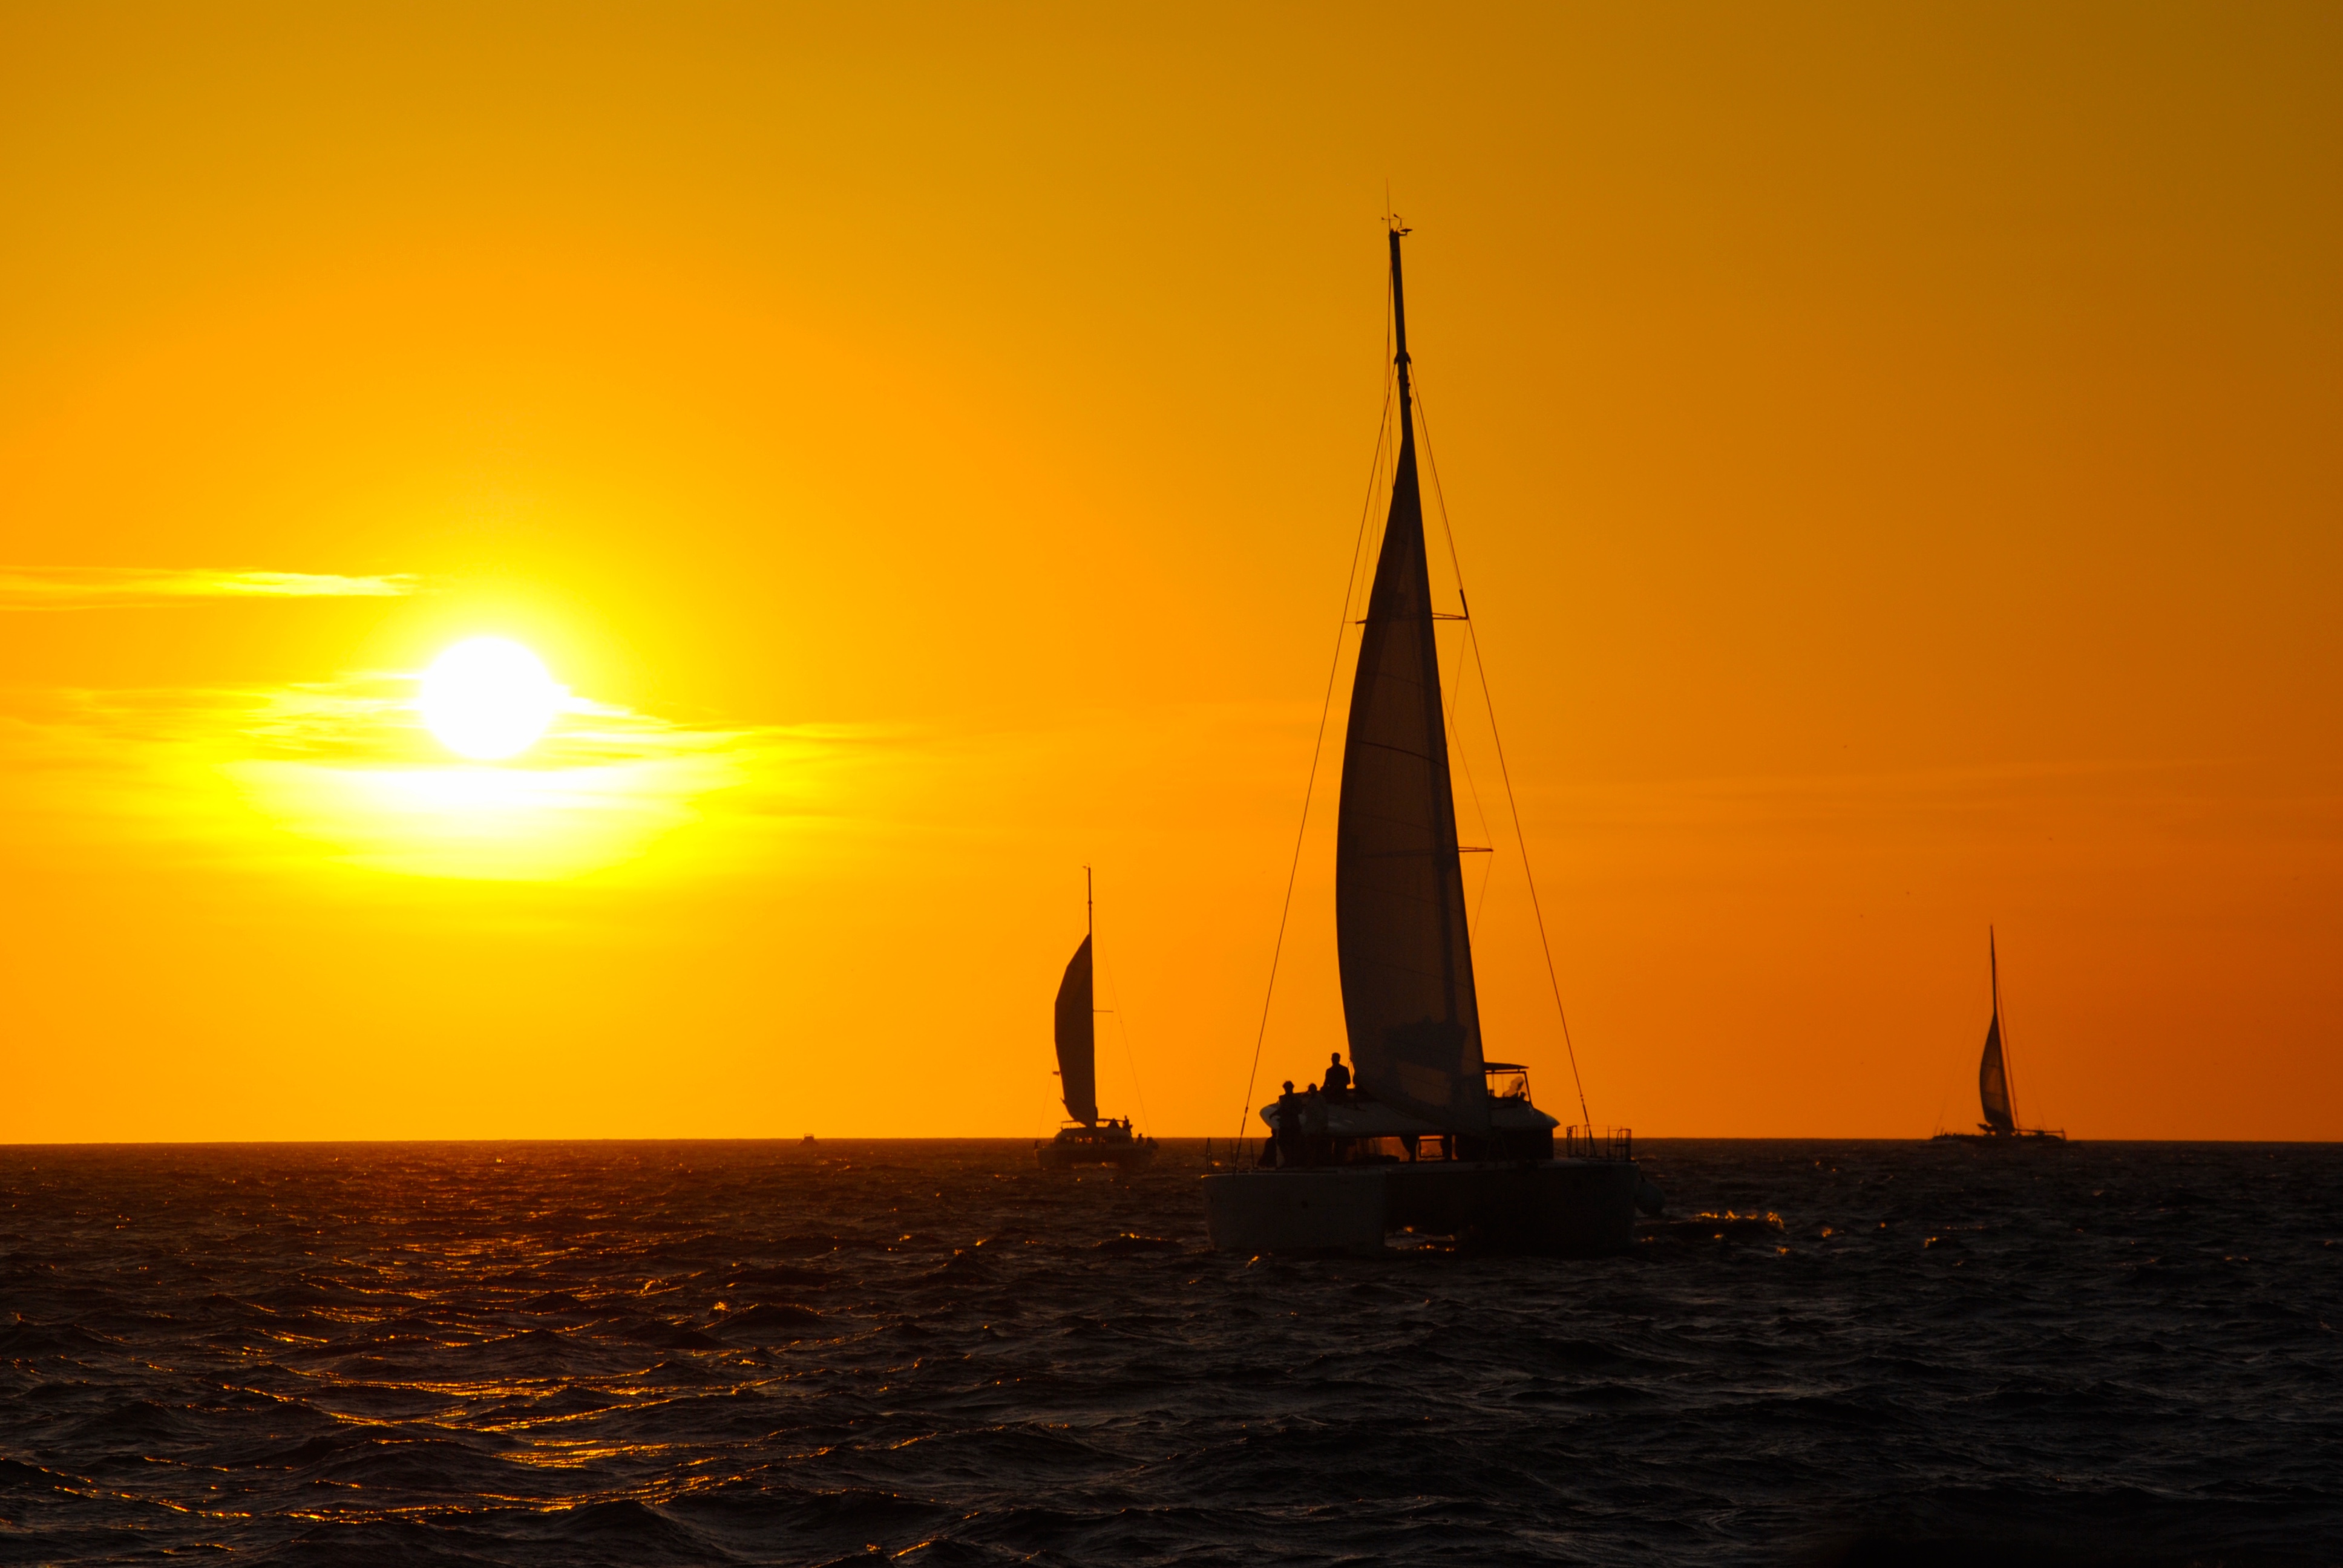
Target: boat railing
(1598, 1143)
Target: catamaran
(1085, 1140)
(1430, 1136)
(1996, 1087)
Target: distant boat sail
(1087, 1141)
(1997, 1094)
(1993, 1082)
(1406, 958)
(1078, 1039)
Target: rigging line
(1545, 943)
(1317, 751)
(1130, 1059)
(1946, 1103)
(1471, 787)
(1481, 899)
(2001, 1032)
(1456, 700)
(1489, 700)
(1383, 470)
(1456, 746)
(1447, 529)
(2008, 1078)
(1136, 1087)
(1456, 692)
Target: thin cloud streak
(136, 587)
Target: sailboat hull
(1078, 1146)
(1563, 1207)
(2027, 1135)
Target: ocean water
(588, 1353)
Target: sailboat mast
(1399, 325)
(1431, 651)
(1089, 907)
(1400, 933)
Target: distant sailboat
(1076, 1037)
(1996, 1093)
(1431, 1136)
(1086, 1140)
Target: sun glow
(489, 699)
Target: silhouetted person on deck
(1313, 1125)
(1288, 1142)
(1338, 1079)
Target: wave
(733, 1354)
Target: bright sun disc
(487, 699)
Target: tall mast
(1398, 325)
(1406, 474)
(1089, 908)
(1400, 931)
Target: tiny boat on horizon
(1085, 1140)
(1996, 1087)
(1428, 1136)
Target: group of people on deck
(1300, 1137)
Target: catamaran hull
(1566, 1207)
(1331, 1210)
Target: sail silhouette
(1994, 1095)
(1993, 1081)
(1418, 1141)
(1997, 1084)
(1077, 1039)
(1406, 959)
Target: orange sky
(1894, 456)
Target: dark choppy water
(717, 1353)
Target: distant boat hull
(1078, 1146)
(2023, 1135)
(1573, 1207)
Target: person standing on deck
(1338, 1079)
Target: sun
(489, 699)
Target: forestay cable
(1489, 701)
(1318, 748)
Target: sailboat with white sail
(1085, 1140)
(1997, 1086)
(1429, 1135)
